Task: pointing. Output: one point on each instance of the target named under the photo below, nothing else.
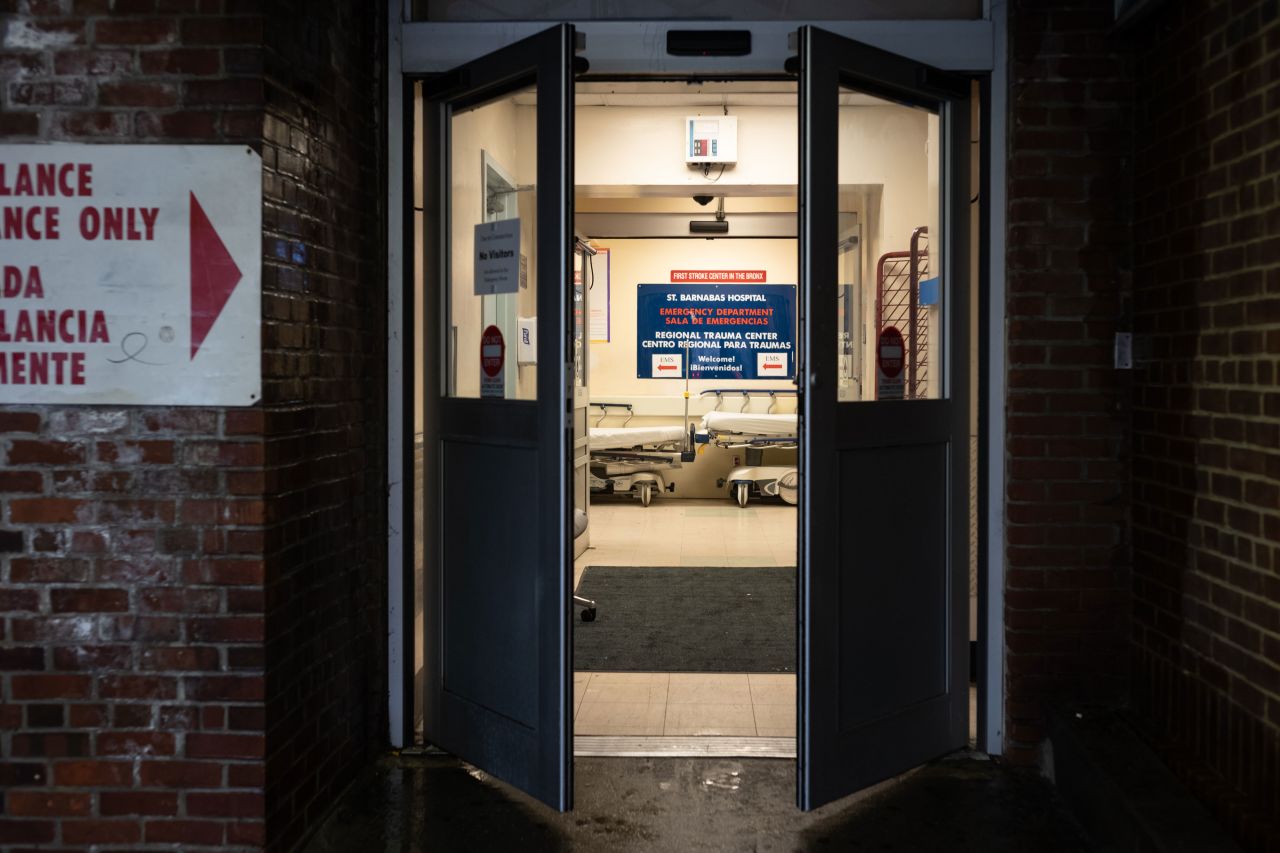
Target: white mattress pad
(748, 423)
(623, 438)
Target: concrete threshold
(619, 746)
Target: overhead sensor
(717, 226)
(708, 226)
(703, 200)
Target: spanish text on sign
(130, 274)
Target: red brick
(94, 658)
(92, 774)
(245, 91)
(181, 774)
(135, 452)
(251, 833)
(230, 629)
(101, 832)
(233, 805)
(243, 422)
(201, 832)
(48, 511)
(21, 481)
(137, 94)
(87, 716)
(137, 687)
(27, 831)
(48, 804)
(229, 30)
(19, 600)
(229, 688)
(135, 31)
(93, 63)
(225, 572)
(96, 600)
(116, 803)
(193, 61)
(97, 124)
(27, 687)
(200, 745)
(185, 658)
(16, 421)
(19, 658)
(24, 452)
(134, 744)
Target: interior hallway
(673, 532)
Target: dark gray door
(884, 467)
(497, 151)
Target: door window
(890, 298)
(493, 231)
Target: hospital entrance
(685, 328)
(646, 427)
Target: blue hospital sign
(715, 331)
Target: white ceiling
(753, 93)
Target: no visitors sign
(131, 274)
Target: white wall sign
(497, 248)
(598, 298)
(668, 366)
(131, 274)
(771, 364)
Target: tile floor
(690, 533)
(687, 533)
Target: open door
(498, 149)
(883, 682)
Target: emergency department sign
(131, 274)
(728, 331)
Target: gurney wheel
(646, 493)
(743, 493)
(589, 615)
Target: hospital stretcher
(754, 433)
(632, 460)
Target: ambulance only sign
(131, 274)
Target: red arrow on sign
(214, 275)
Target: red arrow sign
(214, 275)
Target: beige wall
(625, 150)
(612, 365)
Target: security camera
(703, 200)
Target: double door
(883, 532)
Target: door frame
(979, 47)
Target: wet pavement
(436, 803)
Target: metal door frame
(981, 46)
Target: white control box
(711, 139)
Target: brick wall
(1206, 634)
(1067, 593)
(191, 600)
(130, 578)
(325, 404)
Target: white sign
(771, 364)
(497, 261)
(668, 365)
(527, 345)
(598, 296)
(131, 274)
